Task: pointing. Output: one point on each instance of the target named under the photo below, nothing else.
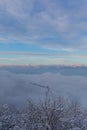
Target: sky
(43, 32)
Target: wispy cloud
(42, 54)
(29, 58)
(44, 23)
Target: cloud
(27, 58)
(40, 22)
(17, 88)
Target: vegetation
(49, 114)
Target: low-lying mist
(17, 88)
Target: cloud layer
(46, 23)
(17, 88)
(32, 58)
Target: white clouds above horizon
(37, 21)
(31, 58)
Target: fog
(17, 88)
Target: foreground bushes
(49, 114)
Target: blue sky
(43, 32)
